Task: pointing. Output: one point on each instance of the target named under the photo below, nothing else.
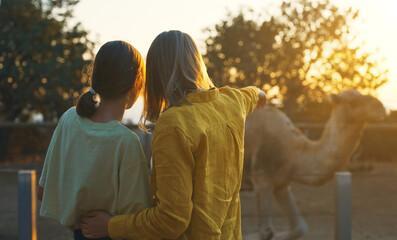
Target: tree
(298, 56)
(41, 60)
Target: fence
(373, 208)
(27, 205)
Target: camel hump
(270, 119)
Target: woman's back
(210, 135)
(88, 165)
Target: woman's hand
(262, 99)
(95, 224)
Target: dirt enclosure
(374, 208)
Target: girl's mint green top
(92, 166)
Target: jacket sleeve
(250, 98)
(174, 165)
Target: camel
(279, 153)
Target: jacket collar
(203, 96)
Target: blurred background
(297, 51)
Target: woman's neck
(109, 110)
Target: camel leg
(254, 157)
(263, 196)
(250, 158)
(297, 224)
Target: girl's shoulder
(70, 113)
(127, 134)
(67, 116)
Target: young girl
(93, 162)
(197, 150)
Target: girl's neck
(109, 110)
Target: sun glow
(376, 25)
(391, 9)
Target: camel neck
(341, 137)
(339, 140)
(330, 153)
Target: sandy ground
(374, 208)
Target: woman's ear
(131, 98)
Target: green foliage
(298, 55)
(41, 58)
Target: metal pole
(27, 205)
(343, 222)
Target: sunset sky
(139, 22)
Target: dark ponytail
(118, 69)
(86, 105)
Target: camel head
(353, 106)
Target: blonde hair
(174, 67)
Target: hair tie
(92, 91)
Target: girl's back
(92, 164)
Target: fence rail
(42, 124)
(304, 125)
(370, 126)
